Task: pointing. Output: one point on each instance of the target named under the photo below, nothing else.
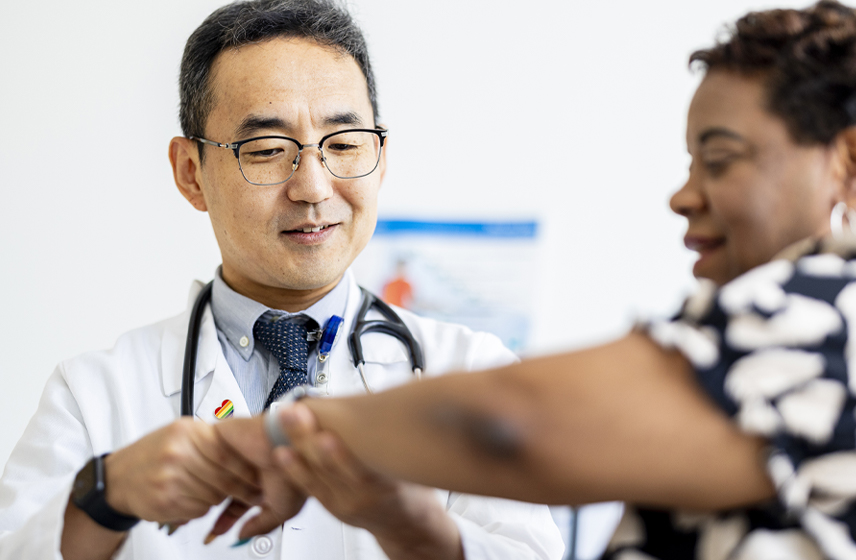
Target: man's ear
(381, 166)
(184, 157)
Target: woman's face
(751, 191)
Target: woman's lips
(706, 247)
(703, 244)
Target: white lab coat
(101, 401)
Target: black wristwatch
(89, 494)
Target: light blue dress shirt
(256, 369)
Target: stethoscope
(392, 325)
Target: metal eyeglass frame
(382, 133)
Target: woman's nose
(688, 199)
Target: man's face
(292, 87)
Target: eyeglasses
(272, 160)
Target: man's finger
(220, 483)
(228, 485)
(227, 519)
(300, 474)
(223, 468)
(264, 522)
(283, 500)
(247, 437)
(218, 451)
(183, 508)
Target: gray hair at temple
(240, 23)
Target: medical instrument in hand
(271, 423)
(392, 325)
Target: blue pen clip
(330, 336)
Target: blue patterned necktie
(287, 341)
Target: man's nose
(311, 182)
(689, 199)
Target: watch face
(84, 482)
(88, 494)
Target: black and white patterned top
(774, 349)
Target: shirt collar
(235, 314)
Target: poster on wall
(480, 274)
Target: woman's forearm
(440, 434)
(624, 421)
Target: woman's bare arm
(624, 421)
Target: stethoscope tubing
(191, 348)
(393, 326)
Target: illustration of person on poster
(398, 290)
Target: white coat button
(244, 342)
(322, 378)
(261, 546)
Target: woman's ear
(184, 157)
(846, 152)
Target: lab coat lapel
(210, 390)
(223, 399)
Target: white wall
(570, 112)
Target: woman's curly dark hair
(807, 59)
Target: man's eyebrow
(254, 123)
(349, 118)
(718, 132)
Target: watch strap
(90, 496)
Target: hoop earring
(836, 220)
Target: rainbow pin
(225, 410)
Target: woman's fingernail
(328, 445)
(240, 542)
(171, 529)
(210, 538)
(287, 417)
(283, 457)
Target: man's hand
(406, 518)
(282, 500)
(172, 475)
(177, 473)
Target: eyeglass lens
(347, 155)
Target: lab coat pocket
(387, 362)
